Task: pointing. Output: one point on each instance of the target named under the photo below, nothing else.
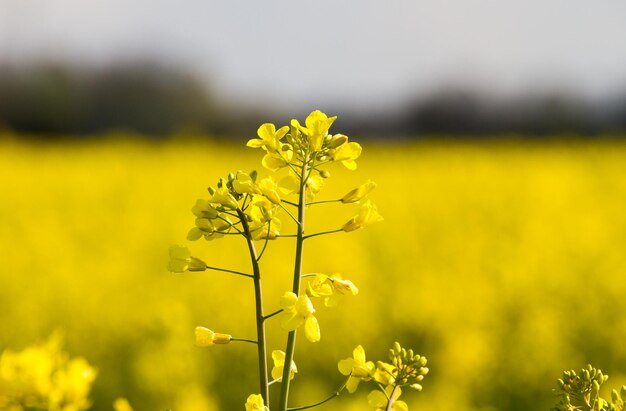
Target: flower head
(298, 311)
(269, 137)
(317, 126)
(206, 337)
(243, 183)
(368, 214)
(347, 153)
(332, 288)
(357, 368)
(279, 364)
(181, 260)
(255, 403)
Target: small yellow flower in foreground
(368, 214)
(332, 288)
(243, 183)
(269, 137)
(385, 373)
(121, 404)
(359, 193)
(299, 310)
(379, 400)
(357, 368)
(206, 337)
(255, 403)
(279, 365)
(181, 260)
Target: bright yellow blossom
(298, 311)
(347, 153)
(243, 183)
(357, 368)
(206, 337)
(269, 188)
(181, 260)
(279, 364)
(378, 400)
(317, 126)
(385, 373)
(255, 403)
(269, 137)
(332, 288)
(359, 193)
(368, 214)
(225, 198)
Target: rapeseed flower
(298, 311)
(279, 364)
(368, 214)
(206, 337)
(379, 400)
(255, 403)
(359, 193)
(317, 126)
(181, 260)
(357, 368)
(332, 288)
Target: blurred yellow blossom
(181, 260)
(206, 337)
(255, 403)
(279, 364)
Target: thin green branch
(267, 238)
(332, 396)
(323, 233)
(288, 212)
(290, 203)
(308, 275)
(244, 340)
(324, 202)
(272, 314)
(230, 271)
(391, 400)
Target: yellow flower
(385, 373)
(378, 400)
(255, 403)
(359, 193)
(181, 260)
(279, 364)
(332, 288)
(368, 214)
(121, 404)
(347, 153)
(202, 209)
(357, 368)
(278, 160)
(269, 189)
(206, 337)
(223, 197)
(290, 184)
(298, 311)
(269, 137)
(243, 183)
(317, 126)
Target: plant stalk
(392, 398)
(297, 272)
(260, 318)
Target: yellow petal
(312, 329)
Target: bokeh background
(495, 133)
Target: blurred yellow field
(502, 262)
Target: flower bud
(206, 337)
(359, 193)
(324, 173)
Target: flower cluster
(404, 369)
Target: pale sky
(368, 53)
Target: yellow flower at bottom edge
(255, 403)
(379, 400)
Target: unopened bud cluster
(581, 391)
(409, 368)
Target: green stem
(229, 271)
(323, 232)
(391, 398)
(332, 396)
(324, 202)
(244, 340)
(297, 272)
(260, 319)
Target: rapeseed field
(503, 262)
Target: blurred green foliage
(502, 262)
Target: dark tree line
(54, 99)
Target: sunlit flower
(202, 209)
(385, 373)
(317, 126)
(269, 188)
(223, 197)
(181, 260)
(368, 214)
(332, 288)
(298, 311)
(255, 403)
(278, 160)
(291, 185)
(243, 183)
(359, 193)
(269, 137)
(279, 364)
(378, 400)
(347, 153)
(357, 368)
(206, 337)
